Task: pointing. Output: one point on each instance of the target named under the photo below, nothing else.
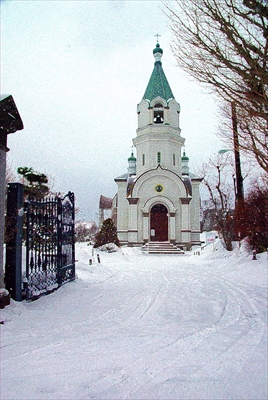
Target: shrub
(107, 234)
(255, 219)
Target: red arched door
(159, 223)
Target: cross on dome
(157, 36)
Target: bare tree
(252, 141)
(10, 172)
(255, 218)
(224, 45)
(216, 175)
(220, 208)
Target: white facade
(158, 201)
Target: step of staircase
(161, 248)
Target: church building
(158, 198)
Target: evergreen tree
(107, 234)
(35, 183)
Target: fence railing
(47, 228)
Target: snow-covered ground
(137, 326)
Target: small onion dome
(158, 49)
(184, 157)
(132, 158)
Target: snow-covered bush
(109, 247)
(107, 234)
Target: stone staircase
(161, 248)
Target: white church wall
(122, 212)
(141, 224)
(142, 145)
(133, 223)
(195, 207)
(158, 140)
(173, 117)
(157, 100)
(173, 190)
(145, 117)
(173, 186)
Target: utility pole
(238, 173)
(239, 204)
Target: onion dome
(132, 165)
(184, 157)
(184, 165)
(157, 49)
(132, 158)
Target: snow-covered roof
(122, 177)
(105, 203)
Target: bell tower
(158, 198)
(158, 140)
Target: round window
(158, 188)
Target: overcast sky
(77, 70)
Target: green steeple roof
(158, 84)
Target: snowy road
(142, 327)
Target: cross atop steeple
(157, 36)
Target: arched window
(158, 113)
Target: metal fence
(48, 232)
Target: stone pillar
(185, 225)
(145, 223)
(133, 220)
(172, 227)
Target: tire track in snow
(219, 365)
(216, 368)
(136, 308)
(149, 299)
(229, 363)
(181, 367)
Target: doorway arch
(159, 223)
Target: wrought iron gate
(50, 251)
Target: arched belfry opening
(158, 113)
(159, 223)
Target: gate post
(59, 239)
(14, 236)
